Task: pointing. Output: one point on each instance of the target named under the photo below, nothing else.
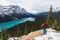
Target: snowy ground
(50, 35)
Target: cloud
(33, 5)
(4, 2)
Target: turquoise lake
(10, 24)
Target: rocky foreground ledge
(38, 35)
(31, 35)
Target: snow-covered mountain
(8, 10)
(12, 12)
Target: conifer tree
(15, 33)
(50, 18)
(55, 25)
(3, 34)
(25, 30)
(33, 28)
(6, 34)
(18, 31)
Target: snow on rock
(50, 35)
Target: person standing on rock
(44, 26)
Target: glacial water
(15, 22)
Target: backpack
(43, 25)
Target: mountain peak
(7, 10)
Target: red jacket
(43, 25)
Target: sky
(33, 6)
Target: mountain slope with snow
(8, 10)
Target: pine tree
(55, 25)
(18, 31)
(50, 18)
(25, 30)
(6, 34)
(3, 34)
(15, 33)
(33, 28)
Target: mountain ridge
(14, 12)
